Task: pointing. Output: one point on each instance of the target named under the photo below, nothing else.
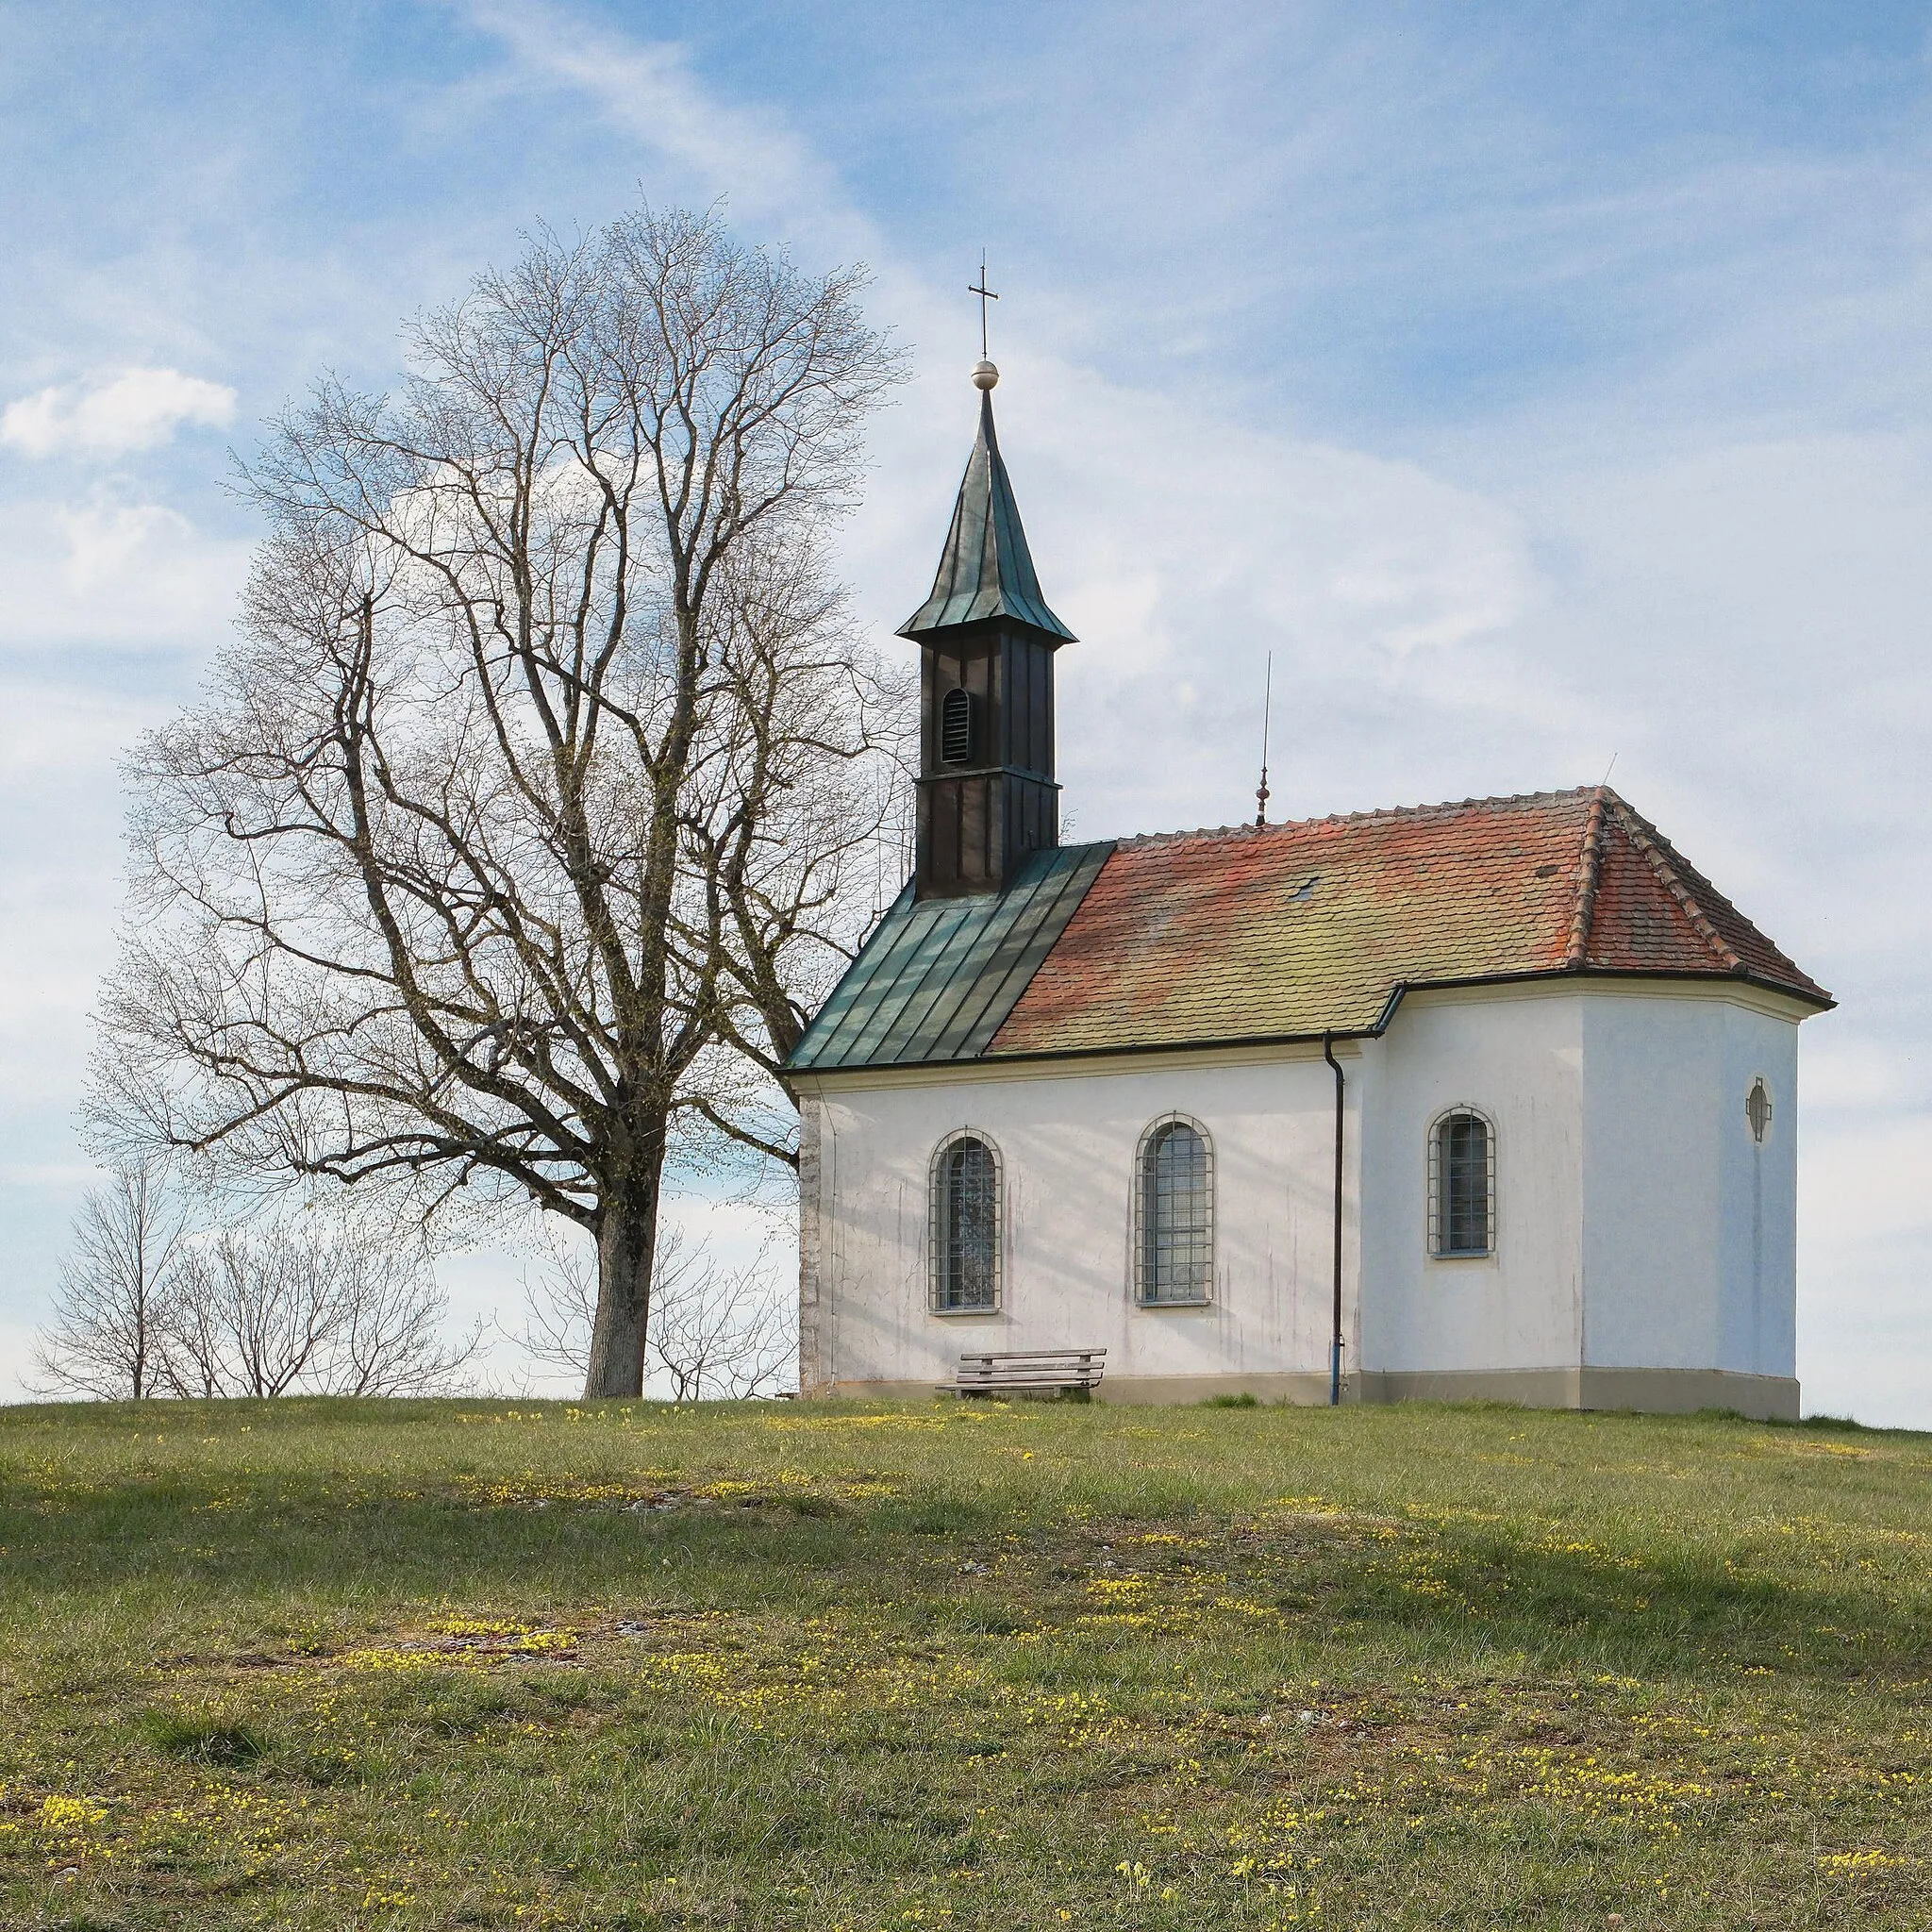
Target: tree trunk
(626, 1254)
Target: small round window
(1758, 1110)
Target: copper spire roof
(986, 569)
(1286, 932)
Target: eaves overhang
(990, 1063)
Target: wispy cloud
(647, 89)
(1175, 538)
(137, 408)
(102, 571)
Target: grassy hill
(469, 1664)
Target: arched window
(1174, 1235)
(1463, 1186)
(965, 1227)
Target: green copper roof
(937, 977)
(986, 570)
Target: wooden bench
(1045, 1371)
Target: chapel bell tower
(986, 795)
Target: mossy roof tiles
(1290, 931)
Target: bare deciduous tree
(256, 1310)
(274, 1311)
(561, 1305)
(520, 832)
(723, 1334)
(116, 1287)
(389, 1339)
(714, 1332)
(149, 1306)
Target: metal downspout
(1335, 1346)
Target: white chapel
(1492, 1099)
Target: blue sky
(1540, 385)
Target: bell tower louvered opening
(956, 727)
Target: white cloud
(1849, 1076)
(1184, 547)
(1861, 1242)
(1168, 536)
(646, 89)
(48, 1174)
(59, 826)
(134, 575)
(16, 1362)
(137, 408)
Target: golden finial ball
(984, 375)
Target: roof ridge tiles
(1650, 843)
(1444, 808)
(1590, 868)
(1713, 897)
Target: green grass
(475, 1664)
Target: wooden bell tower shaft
(980, 814)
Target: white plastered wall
(1067, 1145)
(1639, 1226)
(1690, 1223)
(1518, 1061)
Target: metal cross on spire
(985, 296)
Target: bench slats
(1019, 1381)
(1039, 1354)
(1034, 1368)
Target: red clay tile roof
(1290, 931)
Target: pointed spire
(985, 570)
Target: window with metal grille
(965, 1227)
(956, 727)
(1463, 1186)
(1173, 1245)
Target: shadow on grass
(137, 1545)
